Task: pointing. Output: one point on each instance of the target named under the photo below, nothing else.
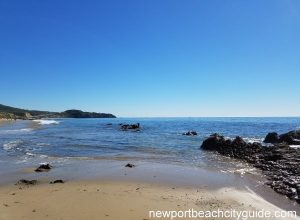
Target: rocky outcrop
(190, 133)
(272, 138)
(236, 148)
(125, 127)
(291, 138)
(280, 163)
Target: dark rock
(190, 133)
(279, 162)
(239, 142)
(291, 137)
(130, 165)
(130, 126)
(26, 182)
(272, 138)
(272, 156)
(213, 143)
(109, 124)
(43, 168)
(57, 181)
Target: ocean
(159, 139)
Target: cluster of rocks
(42, 168)
(190, 133)
(126, 127)
(291, 138)
(26, 182)
(279, 162)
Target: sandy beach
(119, 200)
(103, 189)
(99, 185)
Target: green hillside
(7, 112)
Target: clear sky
(152, 57)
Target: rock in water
(43, 168)
(190, 133)
(130, 165)
(280, 163)
(130, 126)
(213, 142)
(272, 138)
(291, 138)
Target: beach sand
(118, 200)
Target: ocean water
(159, 140)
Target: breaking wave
(46, 122)
(295, 146)
(252, 140)
(15, 131)
(12, 145)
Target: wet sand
(102, 189)
(106, 189)
(118, 200)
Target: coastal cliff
(11, 113)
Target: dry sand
(117, 200)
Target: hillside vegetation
(7, 112)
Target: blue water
(160, 139)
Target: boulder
(57, 181)
(130, 126)
(291, 138)
(130, 165)
(213, 143)
(238, 142)
(279, 162)
(272, 138)
(43, 168)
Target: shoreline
(219, 186)
(120, 200)
(157, 174)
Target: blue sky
(152, 58)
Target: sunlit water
(159, 140)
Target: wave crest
(12, 145)
(46, 122)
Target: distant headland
(11, 113)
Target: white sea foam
(248, 139)
(295, 146)
(252, 140)
(15, 131)
(46, 122)
(30, 154)
(241, 171)
(12, 145)
(42, 144)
